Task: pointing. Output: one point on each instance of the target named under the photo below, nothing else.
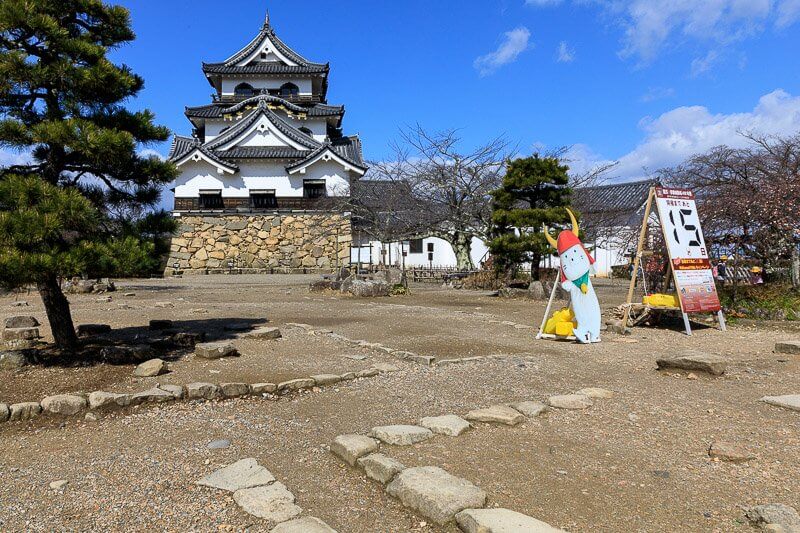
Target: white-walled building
(268, 153)
(421, 252)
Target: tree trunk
(462, 246)
(58, 313)
(796, 266)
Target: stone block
(63, 404)
(788, 401)
(351, 447)
(215, 350)
(570, 401)
(323, 380)
(790, 347)
(596, 393)
(125, 355)
(501, 521)
(530, 409)
(307, 524)
(243, 474)
(711, 364)
(13, 360)
(401, 435)
(5, 412)
(108, 400)
(496, 414)
(21, 321)
(380, 467)
(176, 390)
(296, 384)
(20, 334)
(233, 390)
(434, 493)
(154, 395)
(272, 502)
(264, 334)
(86, 330)
(450, 425)
(151, 368)
(262, 388)
(202, 391)
(24, 411)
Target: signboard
(688, 255)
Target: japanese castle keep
(265, 176)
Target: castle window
(289, 89)
(211, 200)
(415, 246)
(263, 200)
(314, 189)
(263, 55)
(244, 89)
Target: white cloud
(657, 93)
(565, 53)
(149, 152)
(701, 65)
(514, 43)
(788, 13)
(12, 157)
(685, 131)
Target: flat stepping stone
(349, 448)
(771, 515)
(450, 425)
(321, 380)
(530, 409)
(215, 350)
(501, 521)
(789, 401)
(596, 393)
(570, 401)
(711, 364)
(151, 368)
(243, 474)
(496, 414)
(296, 384)
(380, 467)
(401, 435)
(729, 452)
(272, 502)
(385, 368)
(307, 524)
(264, 333)
(434, 493)
(790, 347)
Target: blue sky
(645, 82)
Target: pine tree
(535, 191)
(74, 206)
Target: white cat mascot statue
(576, 265)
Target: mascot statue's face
(574, 262)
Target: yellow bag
(564, 329)
(561, 323)
(662, 300)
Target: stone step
(501, 521)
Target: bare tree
(451, 188)
(750, 198)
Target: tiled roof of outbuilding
(617, 204)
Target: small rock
(24, 411)
(108, 400)
(596, 393)
(163, 305)
(219, 444)
(434, 493)
(234, 390)
(712, 364)
(775, 514)
(426, 360)
(202, 391)
(401, 435)
(633, 417)
(790, 347)
(151, 368)
(570, 401)
(215, 350)
(789, 401)
(691, 376)
(729, 452)
(351, 447)
(321, 380)
(496, 414)
(59, 485)
(264, 334)
(243, 474)
(501, 521)
(380, 467)
(63, 404)
(273, 502)
(21, 321)
(262, 388)
(450, 425)
(530, 409)
(296, 384)
(12, 360)
(91, 417)
(86, 330)
(307, 524)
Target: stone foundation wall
(274, 242)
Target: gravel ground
(636, 462)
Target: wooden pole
(547, 310)
(639, 248)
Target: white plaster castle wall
(228, 85)
(443, 255)
(197, 176)
(318, 127)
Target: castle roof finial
(266, 19)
